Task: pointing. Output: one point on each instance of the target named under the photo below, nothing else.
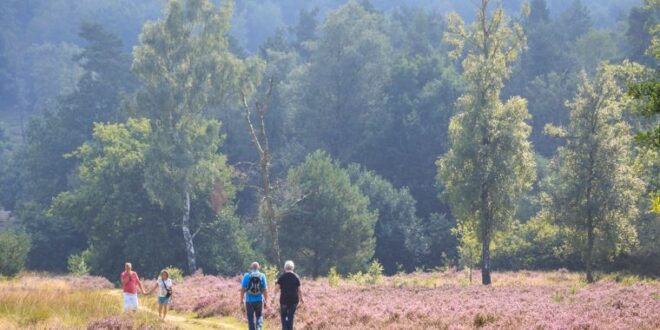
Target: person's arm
(276, 290)
(265, 293)
(123, 278)
(243, 291)
(300, 296)
(140, 284)
(153, 288)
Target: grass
(36, 302)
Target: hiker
(165, 290)
(130, 282)
(254, 296)
(288, 284)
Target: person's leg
(166, 307)
(130, 302)
(126, 301)
(291, 314)
(249, 309)
(258, 311)
(160, 310)
(283, 318)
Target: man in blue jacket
(254, 296)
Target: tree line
(516, 141)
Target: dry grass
(40, 302)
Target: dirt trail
(189, 322)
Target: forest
(409, 135)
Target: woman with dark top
(290, 295)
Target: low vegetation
(32, 301)
(516, 300)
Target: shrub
(176, 274)
(375, 272)
(77, 263)
(271, 273)
(333, 277)
(14, 248)
(481, 320)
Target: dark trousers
(254, 315)
(287, 313)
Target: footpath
(190, 321)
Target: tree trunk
(270, 212)
(187, 235)
(485, 258)
(590, 247)
(260, 140)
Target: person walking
(291, 296)
(130, 282)
(165, 290)
(254, 296)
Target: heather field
(516, 300)
(439, 300)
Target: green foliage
(490, 163)
(14, 248)
(112, 207)
(592, 180)
(329, 223)
(333, 277)
(176, 274)
(375, 272)
(372, 276)
(397, 225)
(271, 273)
(77, 263)
(343, 96)
(182, 163)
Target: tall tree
(330, 224)
(641, 22)
(186, 67)
(260, 140)
(40, 165)
(490, 163)
(111, 206)
(342, 96)
(398, 243)
(594, 185)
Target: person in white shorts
(130, 282)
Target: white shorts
(130, 301)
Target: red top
(129, 283)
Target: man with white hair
(130, 282)
(290, 295)
(254, 296)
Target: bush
(375, 272)
(14, 248)
(77, 263)
(176, 274)
(333, 277)
(373, 276)
(271, 273)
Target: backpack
(254, 286)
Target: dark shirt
(289, 283)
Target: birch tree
(186, 68)
(490, 162)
